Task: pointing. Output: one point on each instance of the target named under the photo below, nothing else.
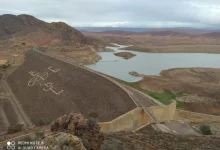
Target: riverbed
(150, 63)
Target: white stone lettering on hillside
(39, 79)
(49, 87)
(53, 70)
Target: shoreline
(175, 49)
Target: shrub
(26, 139)
(91, 123)
(109, 146)
(86, 144)
(5, 66)
(39, 134)
(41, 122)
(93, 115)
(136, 147)
(205, 129)
(15, 129)
(65, 142)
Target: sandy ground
(202, 84)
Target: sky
(120, 13)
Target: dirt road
(21, 115)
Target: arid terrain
(198, 88)
(162, 41)
(21, 33)
(200, 84)
(145, 139)
(73, 131)
(42, 79)
(74, 89)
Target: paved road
(141, 99)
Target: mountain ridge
(22, 25)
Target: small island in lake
(133, 73)
(125, 55)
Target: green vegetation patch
(205, 129)
(166, 98)
(14, 129)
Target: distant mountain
(121, 32)
(211, 35)
(150, 32)
(166, 33)
(125, 30)
(101, 29)
(33, 31)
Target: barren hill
(166, 33)
(211, 35)
(22, 32)
(163, 41)
(41, 33)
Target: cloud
(139, 13)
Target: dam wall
(127, 122)
(164, 113)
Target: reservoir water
(150, 63)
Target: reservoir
(150, 63)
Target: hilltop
(22, 32)
(26, 25)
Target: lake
(150, 63)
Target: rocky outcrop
(63, 141)
(77, 125)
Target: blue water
(151, 63)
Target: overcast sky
(120, 13)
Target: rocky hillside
(74, 132)
(32, 31)
(18, 34)
(149, 139)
